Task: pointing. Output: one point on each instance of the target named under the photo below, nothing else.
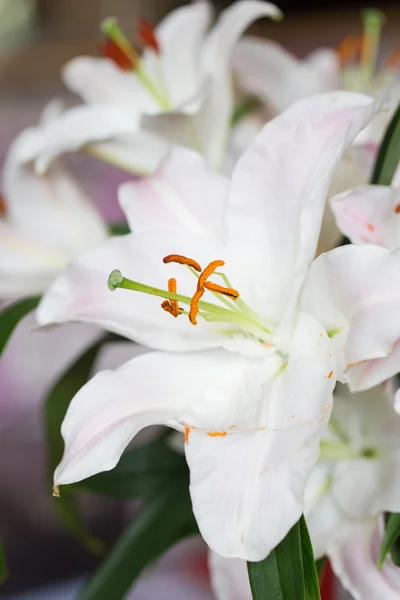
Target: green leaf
(320, 565)
(242, 110)
(11, 315)
(161, 522)
(3, 565)
(141, 473)
(55, 407)
(389, 153)
(309, 567)
(119, 228)
(280, 575)
(392, 532)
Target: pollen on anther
(182, 260)
(110, 50)
(147, 36)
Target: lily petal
(247, 482)
(368, 215)
(111, 408)
(279, 78)
(354, 290)
(184, 28)
(354, 558)
(289, 188)
(229, 578)
(213, 120)
(184, 195)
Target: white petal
(326, 64)
(101, 81)
(82, 125)
(368, 215)
(322, 513)
(140, 154)
(52, 209)
(213, 120)
(354, 559)
(248, 482)
(180, 36)
(279, 187)
(113, 406)
(229, 578)
(184, 195)
(355, 289)
(81, 292)
(279, 78)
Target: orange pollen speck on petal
(182, 260)
(110, 50)
(397, 208)
(148, 37)
(329, 375)
(354, 364)
(217, 434)
(350, 49)
(187, 432)
(370, 227)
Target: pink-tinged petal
(276, 76)
(184, 195)
(229, 578)
(83, 125)
(354, 559)
(278, 189)
(111, 408)
(180, 36)
(353, 292)
(213, 120)
(248, 481)
(81, 292)
(369, 214)
(100, 81)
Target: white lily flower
(256, 387)
(179, 91)
(47, 220)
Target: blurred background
(37, 37)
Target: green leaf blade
(309, 567)
(280, 575)
(392, 532)
(389, 153)
(11, 315)
(161, 522)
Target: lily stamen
(182, 260)
(147, 36)
(171, 306)
(115, 35)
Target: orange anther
(148, 36)
(397, 208)
(214, 287)
(182, 260)
(350, 49)
(171, 306)
(203, 284)
(110, 50)
(217, 433)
